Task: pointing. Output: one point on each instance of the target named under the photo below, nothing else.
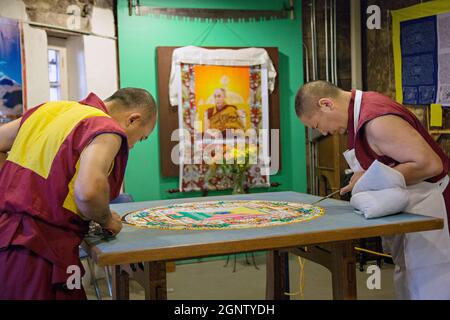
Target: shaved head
(308, 96)
(134, 99)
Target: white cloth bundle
(381, 191)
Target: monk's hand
(355, 177)
(115, 215)
(114, 224)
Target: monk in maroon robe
(66, 161)
(383, 131)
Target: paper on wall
(443, 34)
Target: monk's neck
(345, 98)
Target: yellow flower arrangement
(234, 164)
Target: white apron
(422, 259)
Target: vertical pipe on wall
(330, 31)
(313, 75)
(314, 58)
(332, 8)
(355, 41)
(334, 44)
(327, 71)
(333, 40)
(313, 40)
(310, 143)
(311, 27)
(306, 57)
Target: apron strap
(356, 109)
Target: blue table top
(339, 223)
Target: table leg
(151, 276)
(276, 275)
(340, 259)
(157, 285)
(120, 284)
(343, 271)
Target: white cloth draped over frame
(219, 57)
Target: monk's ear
(327, 104)
(134, 119)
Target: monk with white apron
(422, 259)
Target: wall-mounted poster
(419, 60)
(222, 99)
(421, 42)
(222, 96)
(11, 106)
(443, 27)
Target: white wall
(101, 55)
(102, 22)
(101, 66)
(76, 67)
(36, 66)
(14, 9)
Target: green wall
(140, 35)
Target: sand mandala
(219, 215)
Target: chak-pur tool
(326, 197)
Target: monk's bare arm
(394, 137)
(91, 184)
(8, 133)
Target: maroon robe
(39, 236)
(374, 105)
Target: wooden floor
(213, 280)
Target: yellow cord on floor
(301, 291)
(373, 252)
(301, 263)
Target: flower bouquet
(234, 163)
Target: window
(57, 70)
(54, 72)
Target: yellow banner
(436, 115)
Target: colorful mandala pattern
(219, 215)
